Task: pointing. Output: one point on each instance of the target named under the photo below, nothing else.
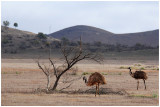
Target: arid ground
(22, 82)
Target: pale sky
(116, 17)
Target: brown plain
(21, 77)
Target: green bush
(5, 41)
(6, 23)
(15, 25)
(145, 96)
(155, 95)
(137, 64)
(41, 36)
(47, 44)
(104, 74)
(142, 68)
(122, 67)
(85, 73)
(119, 73)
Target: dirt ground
(20, 78)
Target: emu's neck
(85, 80)
(130, 72)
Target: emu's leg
(144, 83)
(137, 84)
(96, 90)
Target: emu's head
(85, 79)
(130, 71)
(129, 67)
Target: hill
(23, 44)
(92, 34)
(14, 40)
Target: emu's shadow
(102, 91)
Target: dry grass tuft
(145, 96)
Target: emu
(139, 75)
(95, 79)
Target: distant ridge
(91, 34)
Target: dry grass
(7, 69)
(20, 80)
(73, 100)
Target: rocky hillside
(91, 34)
(14, 40)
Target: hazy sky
(116, 17)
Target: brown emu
(138, 75)
(95, 79)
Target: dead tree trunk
(48, 82)
(47, 72)
(56, 83)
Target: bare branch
(55, 70)
(66, 87)
(46, 69)
(67, 52)
(71, 82)
(40, 67)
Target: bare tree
(71, 56)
